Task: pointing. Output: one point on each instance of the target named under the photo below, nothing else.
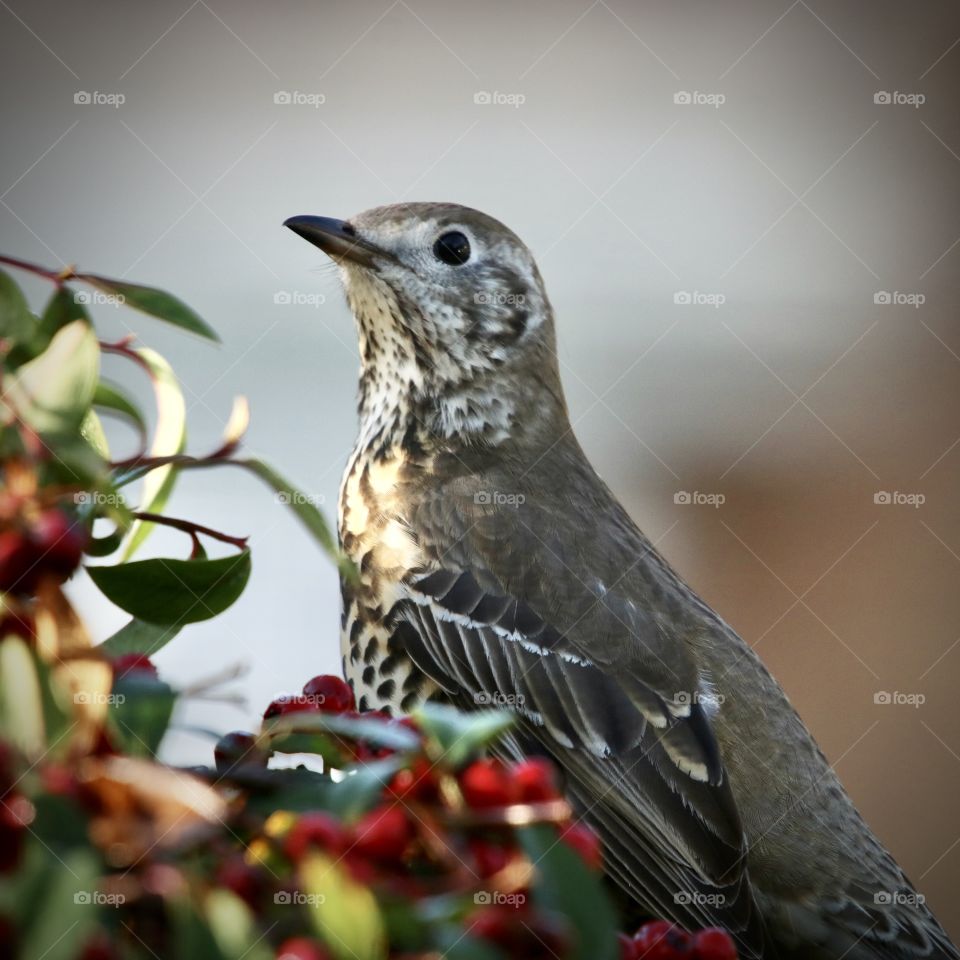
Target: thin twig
(187, 526)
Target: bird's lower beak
(336, 238)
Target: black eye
(452, 248)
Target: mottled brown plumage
(496, 566)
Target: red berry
(383, 833)
(240, 877)
(534, 780)
(292, 703)
(58, 780)
(661, 940)
(332, 695)
(133, 663)
(714, 943)
(489, 858)
(415, 783)
(19, 570)
(520, 933)
(314, 830)
(60, 542)
(582, 839)
(19, 623)
(237, 749)
(301, 948)
(16, 812)
(627, 947)
(11, 848)
(485, 783)
(99, 947)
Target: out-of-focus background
(747, 218)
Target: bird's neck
(419, 399)
(402, 412)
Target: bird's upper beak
(336, 238)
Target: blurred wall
(747, 218)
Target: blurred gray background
(747, 218)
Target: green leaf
(174, 592)
(169, 440)
(565, 885)
(112, 399)
(140, 713)
(234, 928)
(92, 431)
(455, 946)
(65, 913)
(157, 303)
(378, 733)
(305, 510)
(191, 932)
(460, 735)
(21, 699)
(58, 714)
(16, 321)
(343, 913)
(138, 637)
(62, 308)
(296, 790)
(72, 462)
(361, 789)
(54, 391)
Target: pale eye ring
(453, 248)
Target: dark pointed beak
(336, 238)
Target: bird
(493, 565)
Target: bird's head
(452, 314)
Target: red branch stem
(188, 526)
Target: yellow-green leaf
(54, 391)
(170, 439)
(344, 913)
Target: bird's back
(546, 530)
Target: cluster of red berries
(662, 940)
(434, 829)
(51, 545)
(394, 845)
